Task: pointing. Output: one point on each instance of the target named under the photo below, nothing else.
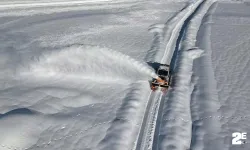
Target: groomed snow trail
(147, 138)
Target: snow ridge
(122, 132)
(178, 105)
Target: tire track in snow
(148, 118)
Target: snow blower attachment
(163, 79)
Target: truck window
(163, 72)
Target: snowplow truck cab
(163, 78)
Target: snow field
(230, 59)
(28, 8)
(93, 81)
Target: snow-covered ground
(74, 74)
(221, 94)
(69, 71)
(202, 110)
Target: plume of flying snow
(142, 67)
(89, 62)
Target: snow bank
(124, 129)
(177, 124)
(204, 100)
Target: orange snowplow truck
(163, 79)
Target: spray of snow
(140, 66)
(89, 62)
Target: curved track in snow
(148, 135)
(145, 134)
